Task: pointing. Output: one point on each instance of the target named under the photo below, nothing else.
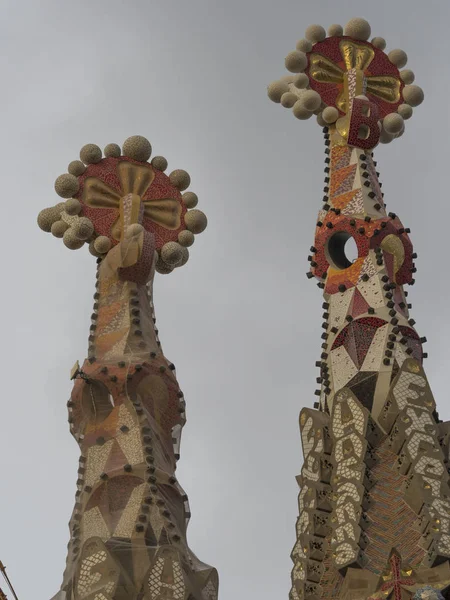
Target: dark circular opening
(342, 250)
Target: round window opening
(342, 250)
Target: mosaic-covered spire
(128, 528)
(374, 496)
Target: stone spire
(374, 495)
(126, 412)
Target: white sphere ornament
(296, 61)
(405, 111)
(379, 43)
(304, 45)
(288, 100)
(413, 95)
(315, 33)
(398, 57)
(393, 123)
(357, 28)
(330, 114)
(276, 89)
(311, 100)
(335, 30)
(301, 112)
(407, 76)
(301, 81)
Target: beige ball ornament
(320, 120)
(72, 206)
(300, 112)
(301, 81)
(288, 100)
(45, 219)
(184, 257)
(171, 253)
(90, 154)
(276, 89)
(393, 123)
(398, 58)
(102, 244)
(385, 137)
(112, 151)
(59, 228)
(315, 33)
(330, 114)
(407, 76)
(405, 111)
(296, 61)
(335, 30)
(379, 43)
(83, 228)
(159, 163)
(180, 179)
(310, 100)
(186, 238)
(357, 28)
(304, 45)
(92, 249)
(162, 268)
(138, 148)
(413, 95)
(190, 199)
(195, 221)
(71, 240)
(76, 167)
(66, 185)
(48, 216)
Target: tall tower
(374, 500)
(128, 528)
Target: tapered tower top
(349, 82)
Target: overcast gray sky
(240, 320)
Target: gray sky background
(240, 320)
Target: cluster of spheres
(294, 91)
(67, 220)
